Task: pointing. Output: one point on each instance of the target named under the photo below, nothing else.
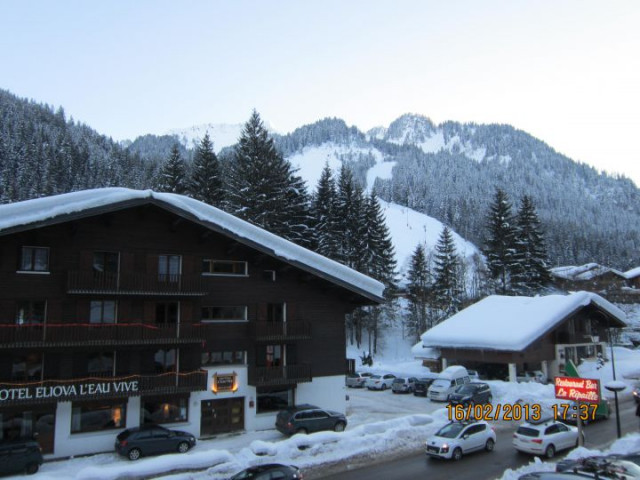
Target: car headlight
(445, 448)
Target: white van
(447, 381)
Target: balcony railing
(281, 331)
(88, 334)
(89, 282)
(98, 387)
(281, 375)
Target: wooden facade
(130, 295)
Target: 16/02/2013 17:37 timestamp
(519, 412)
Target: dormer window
(224, 267)
(34, 259)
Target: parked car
(137, 442)
(601, 465)
(309, 418)
(447, 381)
(20, 456)
(421, 385)
(269, 471)
(533, 376)
(379, 382)
(356, 380)
(471, 394)
(403, 385)
(456, 439)
(545, 437)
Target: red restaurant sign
(578, 389)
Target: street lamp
(614, 386)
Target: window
(93, 417)
(169, 268)
(551, 430)
(274, 355)
(275, 312)
(165, 360)
(34, 259)
(224, 267)
(272, 400)
(102, 311)
(156, 410)
(223, 358)
(100, 362)
(167, 313)
(228, 313)
(28, 367)
(105, 262)
(31, 312)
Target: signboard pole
(580, 425)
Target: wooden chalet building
(122, 307)
(503, 335)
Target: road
(481, 465)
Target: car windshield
(528, 432)
(375, 376)
(398, 380)
(441, 383)
(450, 430)
(466, 389)
(353, 375)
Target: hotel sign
(578, 389)
(68, 390)
(224, 383)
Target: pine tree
(323, 212)
(500, 245)
(447, 286)
(172, 177)
(206, 179)
(263, 187)
(531, 273)
(419, 288)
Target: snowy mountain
(450, 172)
(222, 135)
(408, 227)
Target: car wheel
(183, 447)
(134, 454)
(489, 445)
(301, 430)
(550, 451)
(339, 427)
(393, 391)
(384, 386)
(457, 454)
(32, 468)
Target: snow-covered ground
(381, 424)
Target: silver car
(357, 379)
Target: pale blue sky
(565, 71)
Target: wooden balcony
(281, 375)
(88, 282)
(281, 331)
(99, 387)
(96, 334)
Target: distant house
(502, 335)
(591, 277)
(633, 277)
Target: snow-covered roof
(584, 272)
(633, 273)
(512, 323)
(420, 351)
(60, 208)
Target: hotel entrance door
(221, 416)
